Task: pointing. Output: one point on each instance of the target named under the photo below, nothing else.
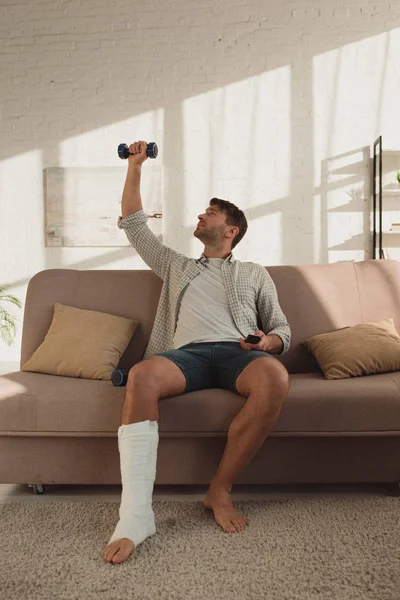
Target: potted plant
(398, 178)
(7, 323)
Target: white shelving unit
(386, 164)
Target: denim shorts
(212, 364)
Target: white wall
(271, 105)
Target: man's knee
(141, 397)
(160, 375)
(140, 374)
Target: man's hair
(233, 216)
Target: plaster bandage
(137, 444)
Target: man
(206, 306)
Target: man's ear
(236, 234)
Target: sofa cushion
(38, 404)
(82, 343)
(363, 349)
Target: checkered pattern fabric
(251, 292)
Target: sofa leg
(393, 488)
(37, 488)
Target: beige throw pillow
(363, 349)
(82, 343)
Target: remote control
(252, 339)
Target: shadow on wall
(345, 190)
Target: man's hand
(138, 153)
(270, 342)
(264, 344)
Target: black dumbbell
(119, 377)
(152, 150)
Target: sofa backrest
(314, 298)
(322, 298)
(125, 293)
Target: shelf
(390, 239)
(385, 185)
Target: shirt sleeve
(271, 316)
(154, 253)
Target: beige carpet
(330, 549)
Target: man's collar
(229, 258)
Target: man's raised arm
(134, 220)
(131, 199)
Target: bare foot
(218, 500)
(118, 551)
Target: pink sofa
(56, 430)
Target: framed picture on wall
(82, 205)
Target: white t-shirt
(204, 313)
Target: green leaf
(7, 321)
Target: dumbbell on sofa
(152, 150)
(119, 377)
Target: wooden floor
(190, 493)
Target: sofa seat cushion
(39, 404)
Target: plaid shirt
(251, 291)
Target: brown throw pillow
(363, 349)
(82, 343)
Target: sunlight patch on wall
(351, 86)
(237, 147)
(354, 90)
(22, 216)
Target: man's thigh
(230, 360)
(194, 360)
